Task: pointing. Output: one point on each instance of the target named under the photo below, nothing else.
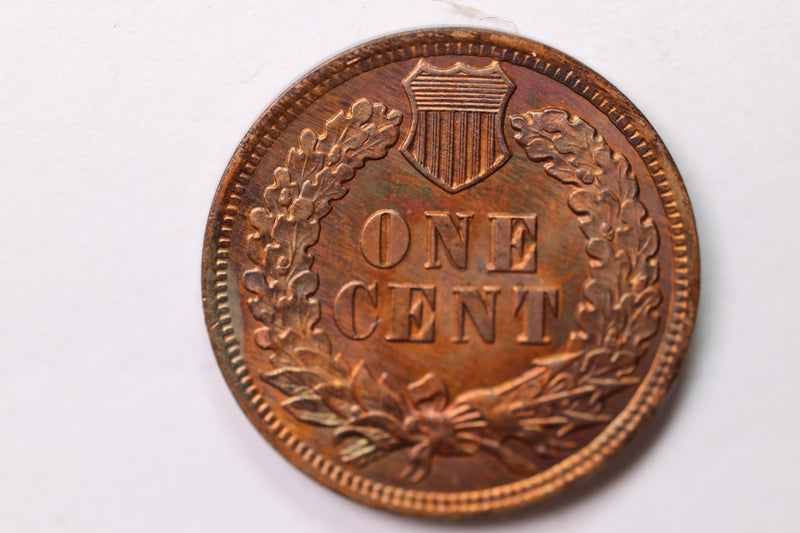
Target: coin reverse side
(450, 272)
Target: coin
(450, 272)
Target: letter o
(384, 238)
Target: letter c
(344, 309)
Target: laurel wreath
(539, 408)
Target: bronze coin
(450, 272)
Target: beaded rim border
(502, 47)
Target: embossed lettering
(412, 312)
(513, 243)
(344, 309)
(384, 238)
(442, 228)
(533, 302)
(469, 301)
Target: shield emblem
(456, 137)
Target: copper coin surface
(450, 272)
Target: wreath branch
(538, 409)
(316, 381)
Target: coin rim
(543, 60)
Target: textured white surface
(116, 123)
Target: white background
(116, 123)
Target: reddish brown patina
(450, 272)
